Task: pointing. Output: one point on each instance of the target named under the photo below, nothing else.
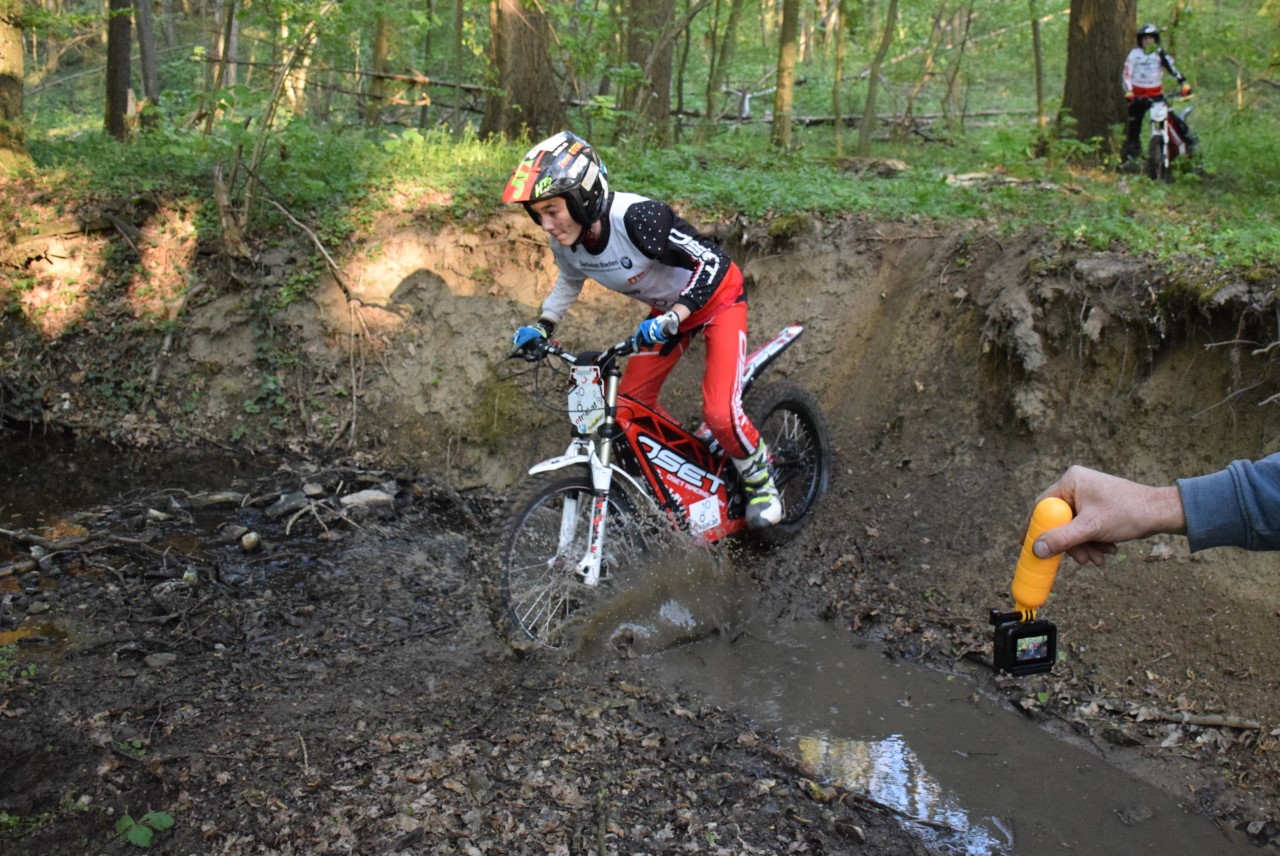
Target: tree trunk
(720, 66)
(837, 33)
(526, 98)
(1039, 55)
(649, 49)
(459, 44)
(873, 83)
(377, 90)
(167, 24)
(13, 149)
(147, 50)
(119, 45)
(951, 106)
(1099, 36)
(784, 95)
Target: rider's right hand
(1128, 95)
(531, 339)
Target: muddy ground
(350, 687)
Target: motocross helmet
(563, 165)
(1148, 30)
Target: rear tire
(543, 592)
(791, 423)
(1157, 169)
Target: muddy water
(968, 775)
(45, 474)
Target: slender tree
(784, 95)
(524, 95)
(1039, 56)
(147, 54)
(119, 46)
(1098, 37)
(649, 49)
(13, 150)
(869, 114)
(722, 56)
(377, 82)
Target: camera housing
(1023, 647)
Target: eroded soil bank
(359, 693)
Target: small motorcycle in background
(1166, 143)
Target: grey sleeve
(1236, 507)
(563, 295)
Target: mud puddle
(44, 474)
(968, 776)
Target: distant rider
(641, 248)
(1144, 71)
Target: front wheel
(543, 538)
(1157, 166)
(791, 423)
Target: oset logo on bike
(686, 471)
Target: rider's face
(554, 218)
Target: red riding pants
(724, 327)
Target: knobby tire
(792, 424)
(543, 592)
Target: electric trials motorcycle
(630, 472)
(1165, 144)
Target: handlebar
(548, 348)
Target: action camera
(1022, 647)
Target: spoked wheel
(1157, 167)
(543, 539)
(792, 424)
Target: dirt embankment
(961, 371)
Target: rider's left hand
(1186, 89)
(658, 329)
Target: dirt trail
(961, 371)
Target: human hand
(656, 330)
(530, 338)
(1186, 89)
(1108, 510)
(1128, 95)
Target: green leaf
(1042, 697)
(124, 824)
(158, 819)
(140, 835)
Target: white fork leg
(601, 478)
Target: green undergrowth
(1011, 177)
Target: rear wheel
(791, 423)
(1157, 167)
(544, 537)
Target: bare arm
(1108, 510)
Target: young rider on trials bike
(640, 247)
(1143, 79)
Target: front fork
(601, 478)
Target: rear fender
(759, 359)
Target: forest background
(246, 121)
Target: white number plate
(586, 398)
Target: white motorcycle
(1167, 143)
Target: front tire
(544, 535)
(791, 423)
(1157, 168)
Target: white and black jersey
(646, 251)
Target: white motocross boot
(764, 507)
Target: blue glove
(656, 330)
(530, 339)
